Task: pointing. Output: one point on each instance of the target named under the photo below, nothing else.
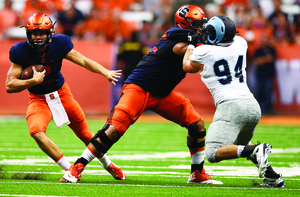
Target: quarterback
(49, 94)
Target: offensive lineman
(221, 63)
(150, 87)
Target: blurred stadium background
(100, 28)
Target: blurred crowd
(136, 24)
(107, 20)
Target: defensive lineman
(221, 62)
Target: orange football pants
(38, 114)
(135, 100)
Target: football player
(150, 87)
(50, 95)
(221, 62)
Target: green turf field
(154, 157)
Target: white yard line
(160, 186)
(216, 169)
(179, 154)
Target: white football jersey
(224, 71)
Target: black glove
(193, 38)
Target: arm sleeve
(13, 55)
(64, 44)
(177, 33)
(69, 44)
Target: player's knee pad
(106, 141)
(194, 135)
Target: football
(27, 73)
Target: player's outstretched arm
(180, 48)
(76, 57)
(188, 65)
(13, 84)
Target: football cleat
(73, 174)
(202, 178)
(261, 153)
(62, 180)
(116, 171)
(273, 182)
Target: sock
(197, 160)
(198, 167)
(240, 150)
(197, 157)
(248, 150)
(104, 161)
(82, 161)
(86, 157)
(63, 162)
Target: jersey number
(221, 69)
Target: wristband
(191, 46)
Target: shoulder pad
(177, 33)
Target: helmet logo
(183, 12)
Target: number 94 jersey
(224, 71)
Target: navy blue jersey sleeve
(13, 54)
(177, 33)
(17, 52)
(63, 43)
